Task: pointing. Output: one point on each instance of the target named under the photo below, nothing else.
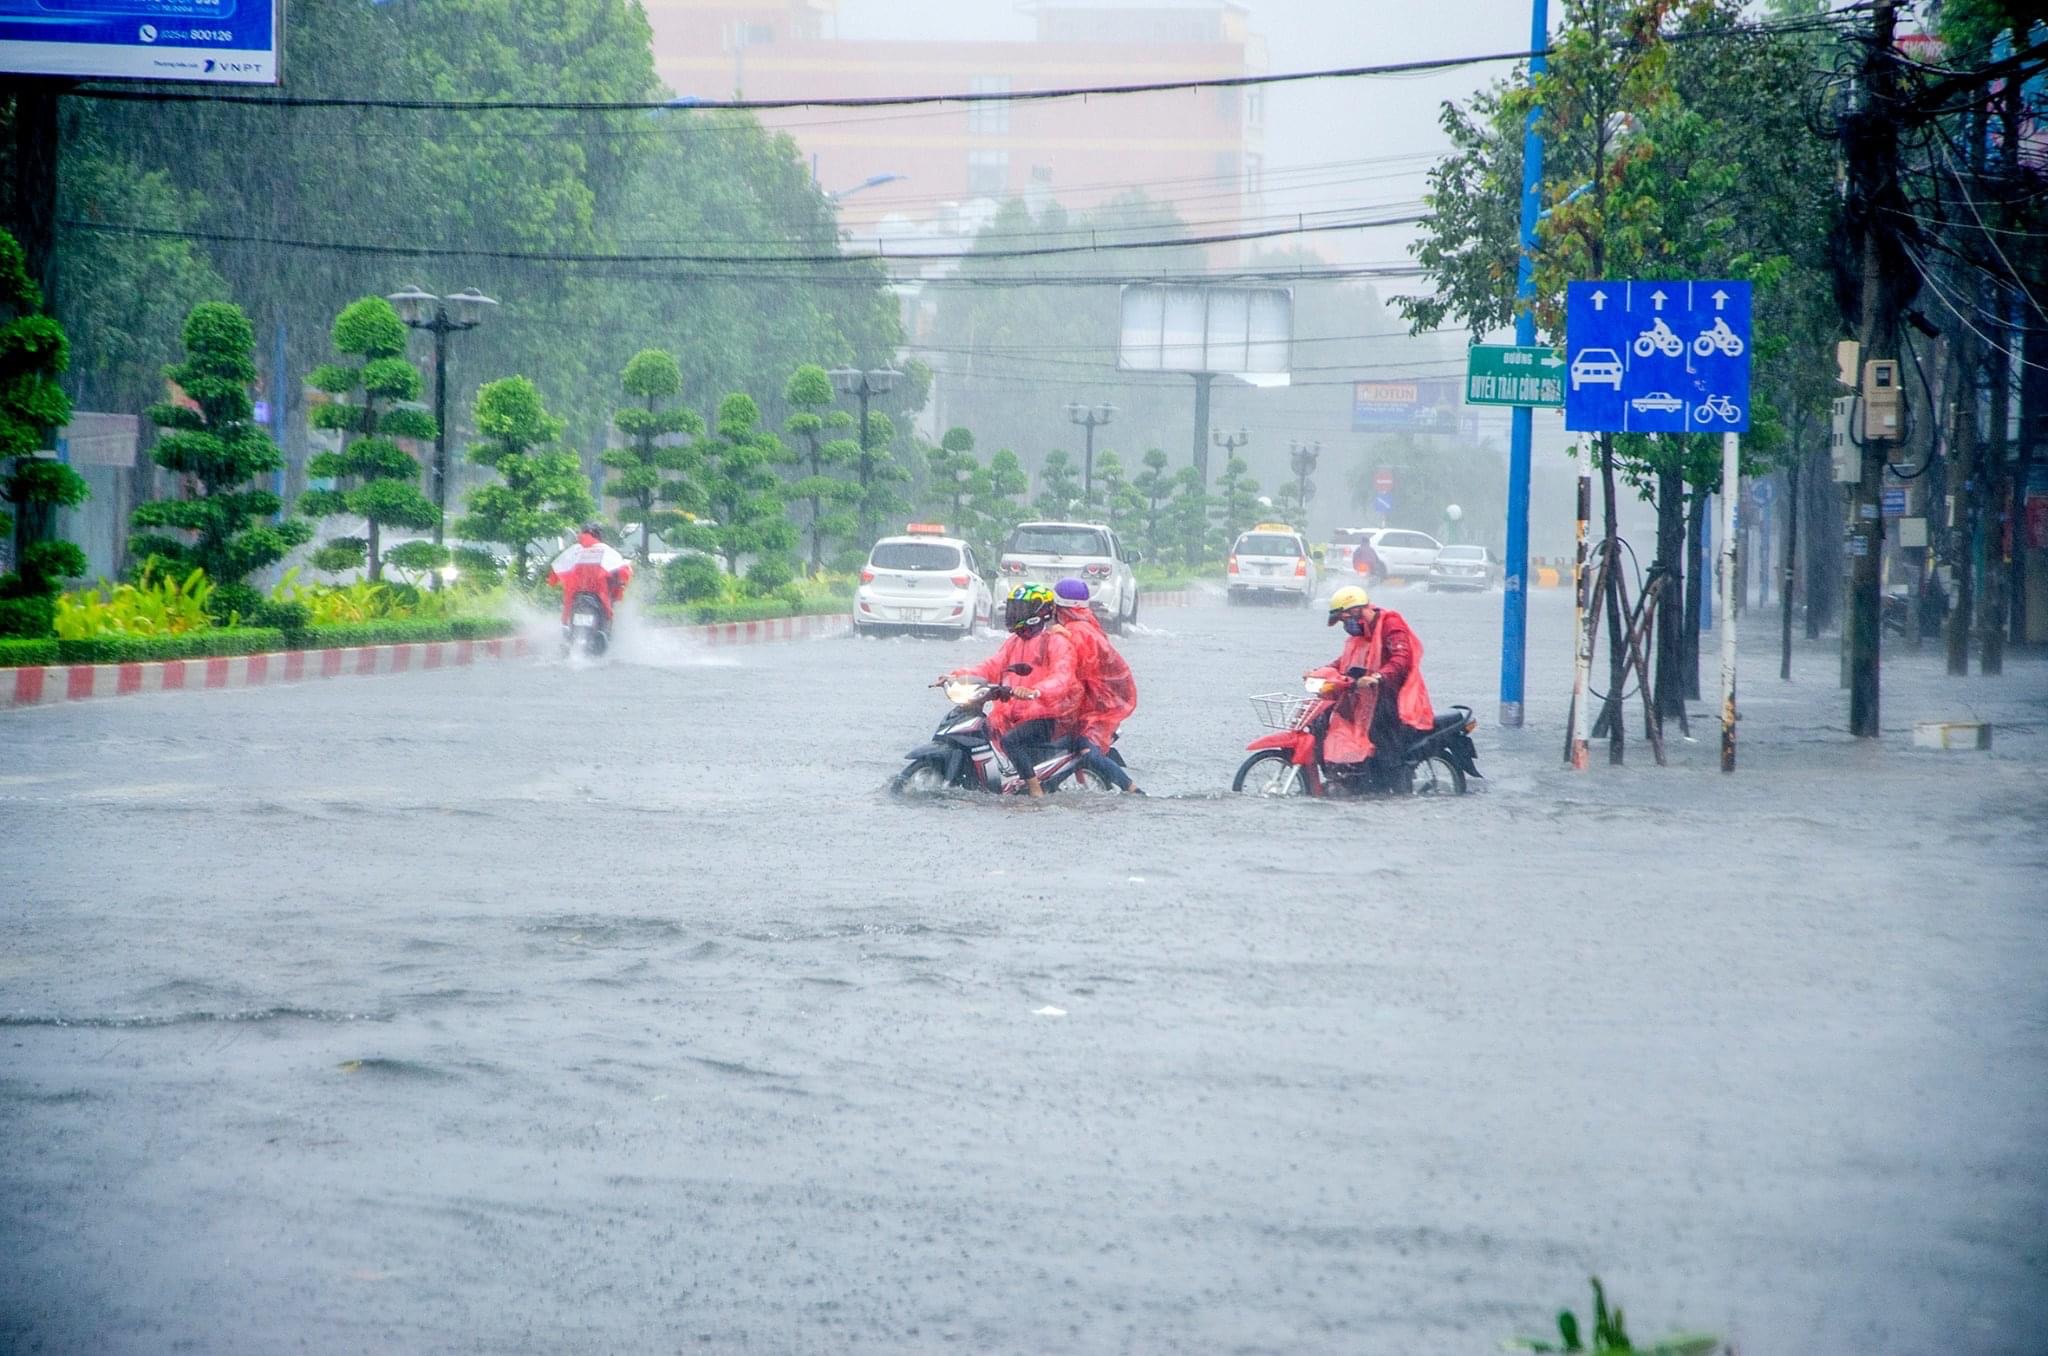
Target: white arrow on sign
(1720, 298)
(1551, 360)
(1657, 298)
(1599, 301)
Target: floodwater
(530, 1008)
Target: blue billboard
(235, 42)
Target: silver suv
(1045, 553)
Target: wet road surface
(530, 1008)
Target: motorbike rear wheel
(1270, 772)
(1437, 775)
(924, 777)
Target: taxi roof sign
(926, 529)
(1272, 527)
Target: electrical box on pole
(1881, 399)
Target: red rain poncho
(1108, 691)
(590, 567)
(1390, 650)
(1054, 676)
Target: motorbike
(589, 631)
(963, 753)
(1288, 762)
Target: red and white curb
(767, 629)
(38, 685)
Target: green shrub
(33, 616)
(474, 565)
(692, 579)
(770, 573)
(231, 604)
(22, 653)
(408, 631)
(282, 616)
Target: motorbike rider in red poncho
(590, 567)
(1108, 691)
(1045, 694)
(1366, 727)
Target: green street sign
(1510, 374)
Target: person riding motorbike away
(590, 567)
(1383, 661)
(1025, 723)
(1108, 691)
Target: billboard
(1407, 405)
(1168, 327)
(235, 42)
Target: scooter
(1289, 762)
(964, 754)
(589, 631)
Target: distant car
(1658, 400)
(922, 581)
(1403, 554)
(1463, 567)
(1271, 561)
(1596, 367)
(1045, 553)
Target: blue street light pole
(1514, 620)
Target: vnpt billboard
(236, 42)
(1406, 405)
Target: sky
(1313, 123)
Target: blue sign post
(1657, 357)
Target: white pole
(1731, 487)
(1582, 636)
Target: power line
(570, 257)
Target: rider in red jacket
(1109, 693)
(590, 567)
(1045, 695)
(1386, 658)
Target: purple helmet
(1071, 592)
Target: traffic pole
(1731, 477)
(1582, 636)
(1514, 613)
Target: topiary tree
(1154, 487)
(1115, 495)
(996, 503)
(828, 498)
(542, 493)
(33, 352)
(217, 449)
(376, 479)
(953, 475)
(1059, 485)
(1236, 503)
(743, 494)
(877, 474)
(1187, 516)
(643, 481)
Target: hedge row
(242, 640)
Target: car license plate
(585, 619)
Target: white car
(922, 581)
(1402, 554)
(1045, 553)
(1271, 561)
(1463, 567)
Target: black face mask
(1353, 626)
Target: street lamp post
(414, 305)
(1091, 418)
(1229, 442)
(861, 384)
(1303, 457)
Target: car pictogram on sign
(1658, 400)
(1596, 367)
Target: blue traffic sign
(1657, 357)
(1383, 503)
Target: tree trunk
(1617, 661)
(376, 555)
(1670, 697)
(1695, 585)
(1791, 578)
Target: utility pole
(1874, 172)
(1090, 418)
(1792, 479)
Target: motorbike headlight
(1316, 687)
(960, 691)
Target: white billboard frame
(1194, 328)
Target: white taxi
(1271, 561)
(923, 581)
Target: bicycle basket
(1282, 710)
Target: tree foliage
(828, 498)
(741, 488)
(541, 492)
(214, 444)
(34, 353)
(651, 470)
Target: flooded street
(530, 1008)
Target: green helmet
(1029, 608)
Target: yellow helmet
(1344, 600)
